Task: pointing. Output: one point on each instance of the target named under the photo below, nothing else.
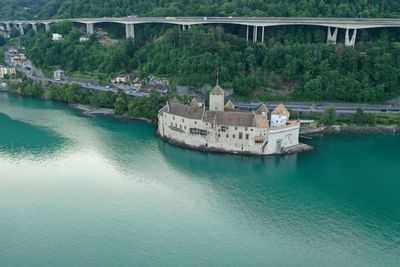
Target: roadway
(306, 108)
(344, 23)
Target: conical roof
(229, 105)
(281, 110)
(262, 109)
(217, 90)
(194, 103)
(175, 100)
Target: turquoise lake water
(78, 191)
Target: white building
(280, 116)
(217, 99)
(57, 37)
(221, 128)
(122, 79)
(6, 71)
(58, 75)
(84, 39)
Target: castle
(224, 129)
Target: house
(6, 71)
(122, 79)
(84, 38)
(57, 37)
(59, 75)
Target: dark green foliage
(99, 8)
(328, 118)
(361, 117)
(27, 88)
(121, 103)
(143, 107)
(294, 63)
(299, 66)
(146, 107)
(3, 40)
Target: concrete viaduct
(254, 25)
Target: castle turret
(279, 116)
(217, 99)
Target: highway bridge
(254, 25)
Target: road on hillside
(306, 108)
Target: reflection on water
(20, 139)
(108, 192)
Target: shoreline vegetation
(121, 106)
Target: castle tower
(217, 99)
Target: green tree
(120, 106)
(329, 116)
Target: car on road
(131, 16)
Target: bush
(329, 116)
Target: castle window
(172, 124)
(251, 129)
(240, 135)
(183, 120)
(236, 128)
(180, 126)
(247, 136)
(246, 129)
(227, 136)
(219, 135)
(233, 136)
(185, 127)
(173, 117)
(206, 123)
(195, 122)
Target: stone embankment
(346, 128)
(297, 149)
(363, 129)
(91, 111)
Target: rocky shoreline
(363, 129)
(300, 148)
(345, 128)
(88, 110)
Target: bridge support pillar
(129, 31)
(332, 37)
(255, 34)
(247, 33)
(47, 26)
(90, 28)
(262, 34)
(34, 27)
(21, 29)
(8, 27)
(350, 42)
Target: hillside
(100, 8)
(293, 63)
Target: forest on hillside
(293, 63)
(18, 9)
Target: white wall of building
(278, 120)
(217, 102)
(227, 138)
